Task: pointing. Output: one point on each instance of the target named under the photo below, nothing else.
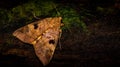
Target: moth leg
(59, 39)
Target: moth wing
(46, 44)
(32, 31)
(43, 35)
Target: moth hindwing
(43, 35)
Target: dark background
(99, 48)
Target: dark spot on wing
(35, 26)
(51, 41)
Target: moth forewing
(43, 34)
(45, 46)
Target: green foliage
(105, 11)
(10, 39)
(26, 13)
(71, 18)
(3, 16)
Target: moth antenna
(56, 9)
(35, 16)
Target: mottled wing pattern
(43, 34)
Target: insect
(43, 35)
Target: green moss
(105, 11)
(71, 18)
(26, 13)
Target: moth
(43, 35)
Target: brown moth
(43, 35)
